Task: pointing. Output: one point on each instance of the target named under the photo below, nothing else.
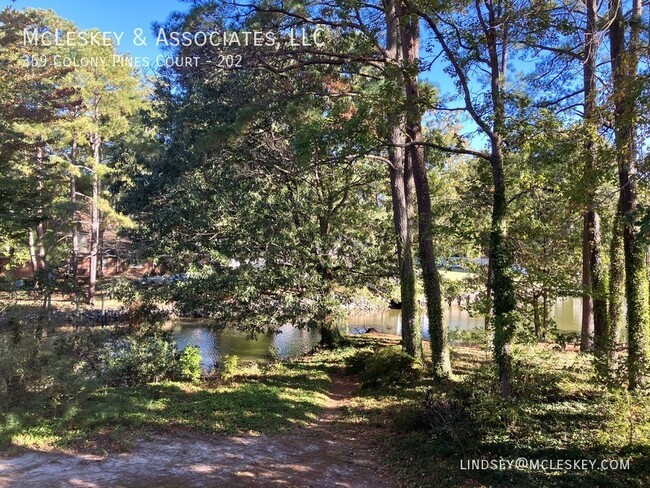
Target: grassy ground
(426, 430)
(271, 399)
(455, 275)
(559, 414)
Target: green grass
(455, 275)
(558, 412)
(267, 400)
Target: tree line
(507, 129)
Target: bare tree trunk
(410, 37)
(41, 258)
(594, 312)
(32, 252)
(402, 191)
(94, 221)
(39, 243)
(536, 318)
(74, 259)
(100, 251)
(625, 64)
(545, 311)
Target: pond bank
(328, 452)
(305, 422)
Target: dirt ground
(328, 453)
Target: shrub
(189, 364)
(146, 355)
(37, 369)
(356, 363)
(229, 367)
(389, 366)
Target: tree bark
(625, 64)
(32, 252)
(41, 257)
(616, 293)
(536, 319)
(74, 258)
(545, 311)
(410, 37)
(594, 311)
(411, 330)
(94, 221)
(598, 280)
(402, 191)
(503, 292)
(587, 325)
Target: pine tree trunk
(587, 325)
(616, 293)
(545, 311)
(43, 275)
(410, 37)
(32, 252)
(41, 258)
(402, 191)
(598, 280)
(503, 292)
(594, 313)
(94, 223)
(411, 331)
(74, 258)
(625, 64)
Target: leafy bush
(36, 368)
(142, 313)
(356, 363)
(59, 367)
(189, 364)
(229, 367)
(389, 366)
(145, 355)
(23, 365)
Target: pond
(292, 342)
(567, 313)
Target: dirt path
(329, 453)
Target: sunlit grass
(559, 412)
(259, 400)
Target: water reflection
(292, 342)
(566, 312)
(214, 344)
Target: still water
(291, 342)
(566, 313)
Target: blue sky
(128, 15)
(112, 16)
